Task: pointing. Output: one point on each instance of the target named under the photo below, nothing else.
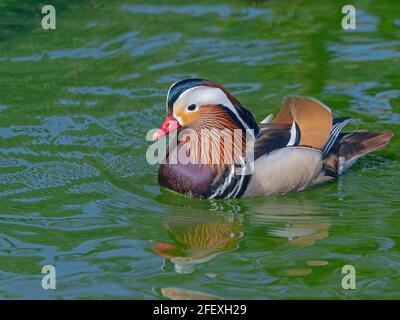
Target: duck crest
(218, 95)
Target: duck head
(202, 104)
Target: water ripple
(129, 93)
(377, 105)
(129, 42)
(49, 175)
(360, 49)
(224, 11)
(249, 52)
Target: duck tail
(351, 146)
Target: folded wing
(312, 117)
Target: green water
(76, 191)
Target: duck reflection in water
(197, 239)
(201, 230)
(298, 220)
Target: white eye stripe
(203, 95)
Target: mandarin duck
(300, 147)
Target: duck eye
(192, 107)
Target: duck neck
(213, 147)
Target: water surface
(76, 191)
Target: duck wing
(273, 136)
(289, 153)
(301, 121)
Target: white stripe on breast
(239, 184)
(221, 189)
